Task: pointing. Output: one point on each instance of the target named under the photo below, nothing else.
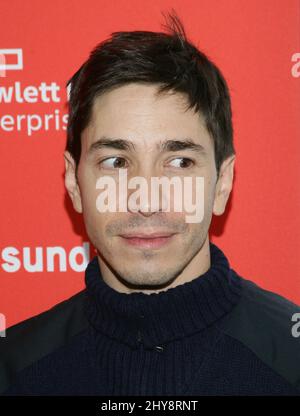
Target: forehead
(134, 112)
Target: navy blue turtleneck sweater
(218, 334)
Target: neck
(162, 317)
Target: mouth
(155, 240)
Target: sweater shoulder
(269, 325)
(32, 339)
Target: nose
(147, 197)
(146, 210)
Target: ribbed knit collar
(158, 318)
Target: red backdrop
(257, 46)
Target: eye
(112, 162)
(184, 162)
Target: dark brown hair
(168, 60)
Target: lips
(144, 235)
(153, 240)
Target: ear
(71, 182)
(224, 185)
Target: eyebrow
(168, 145)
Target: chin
(151, 277)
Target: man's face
(133, 113)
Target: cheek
(209, 191)
(88, 191)
(202, 194)
(89, 206)
(92, 217)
